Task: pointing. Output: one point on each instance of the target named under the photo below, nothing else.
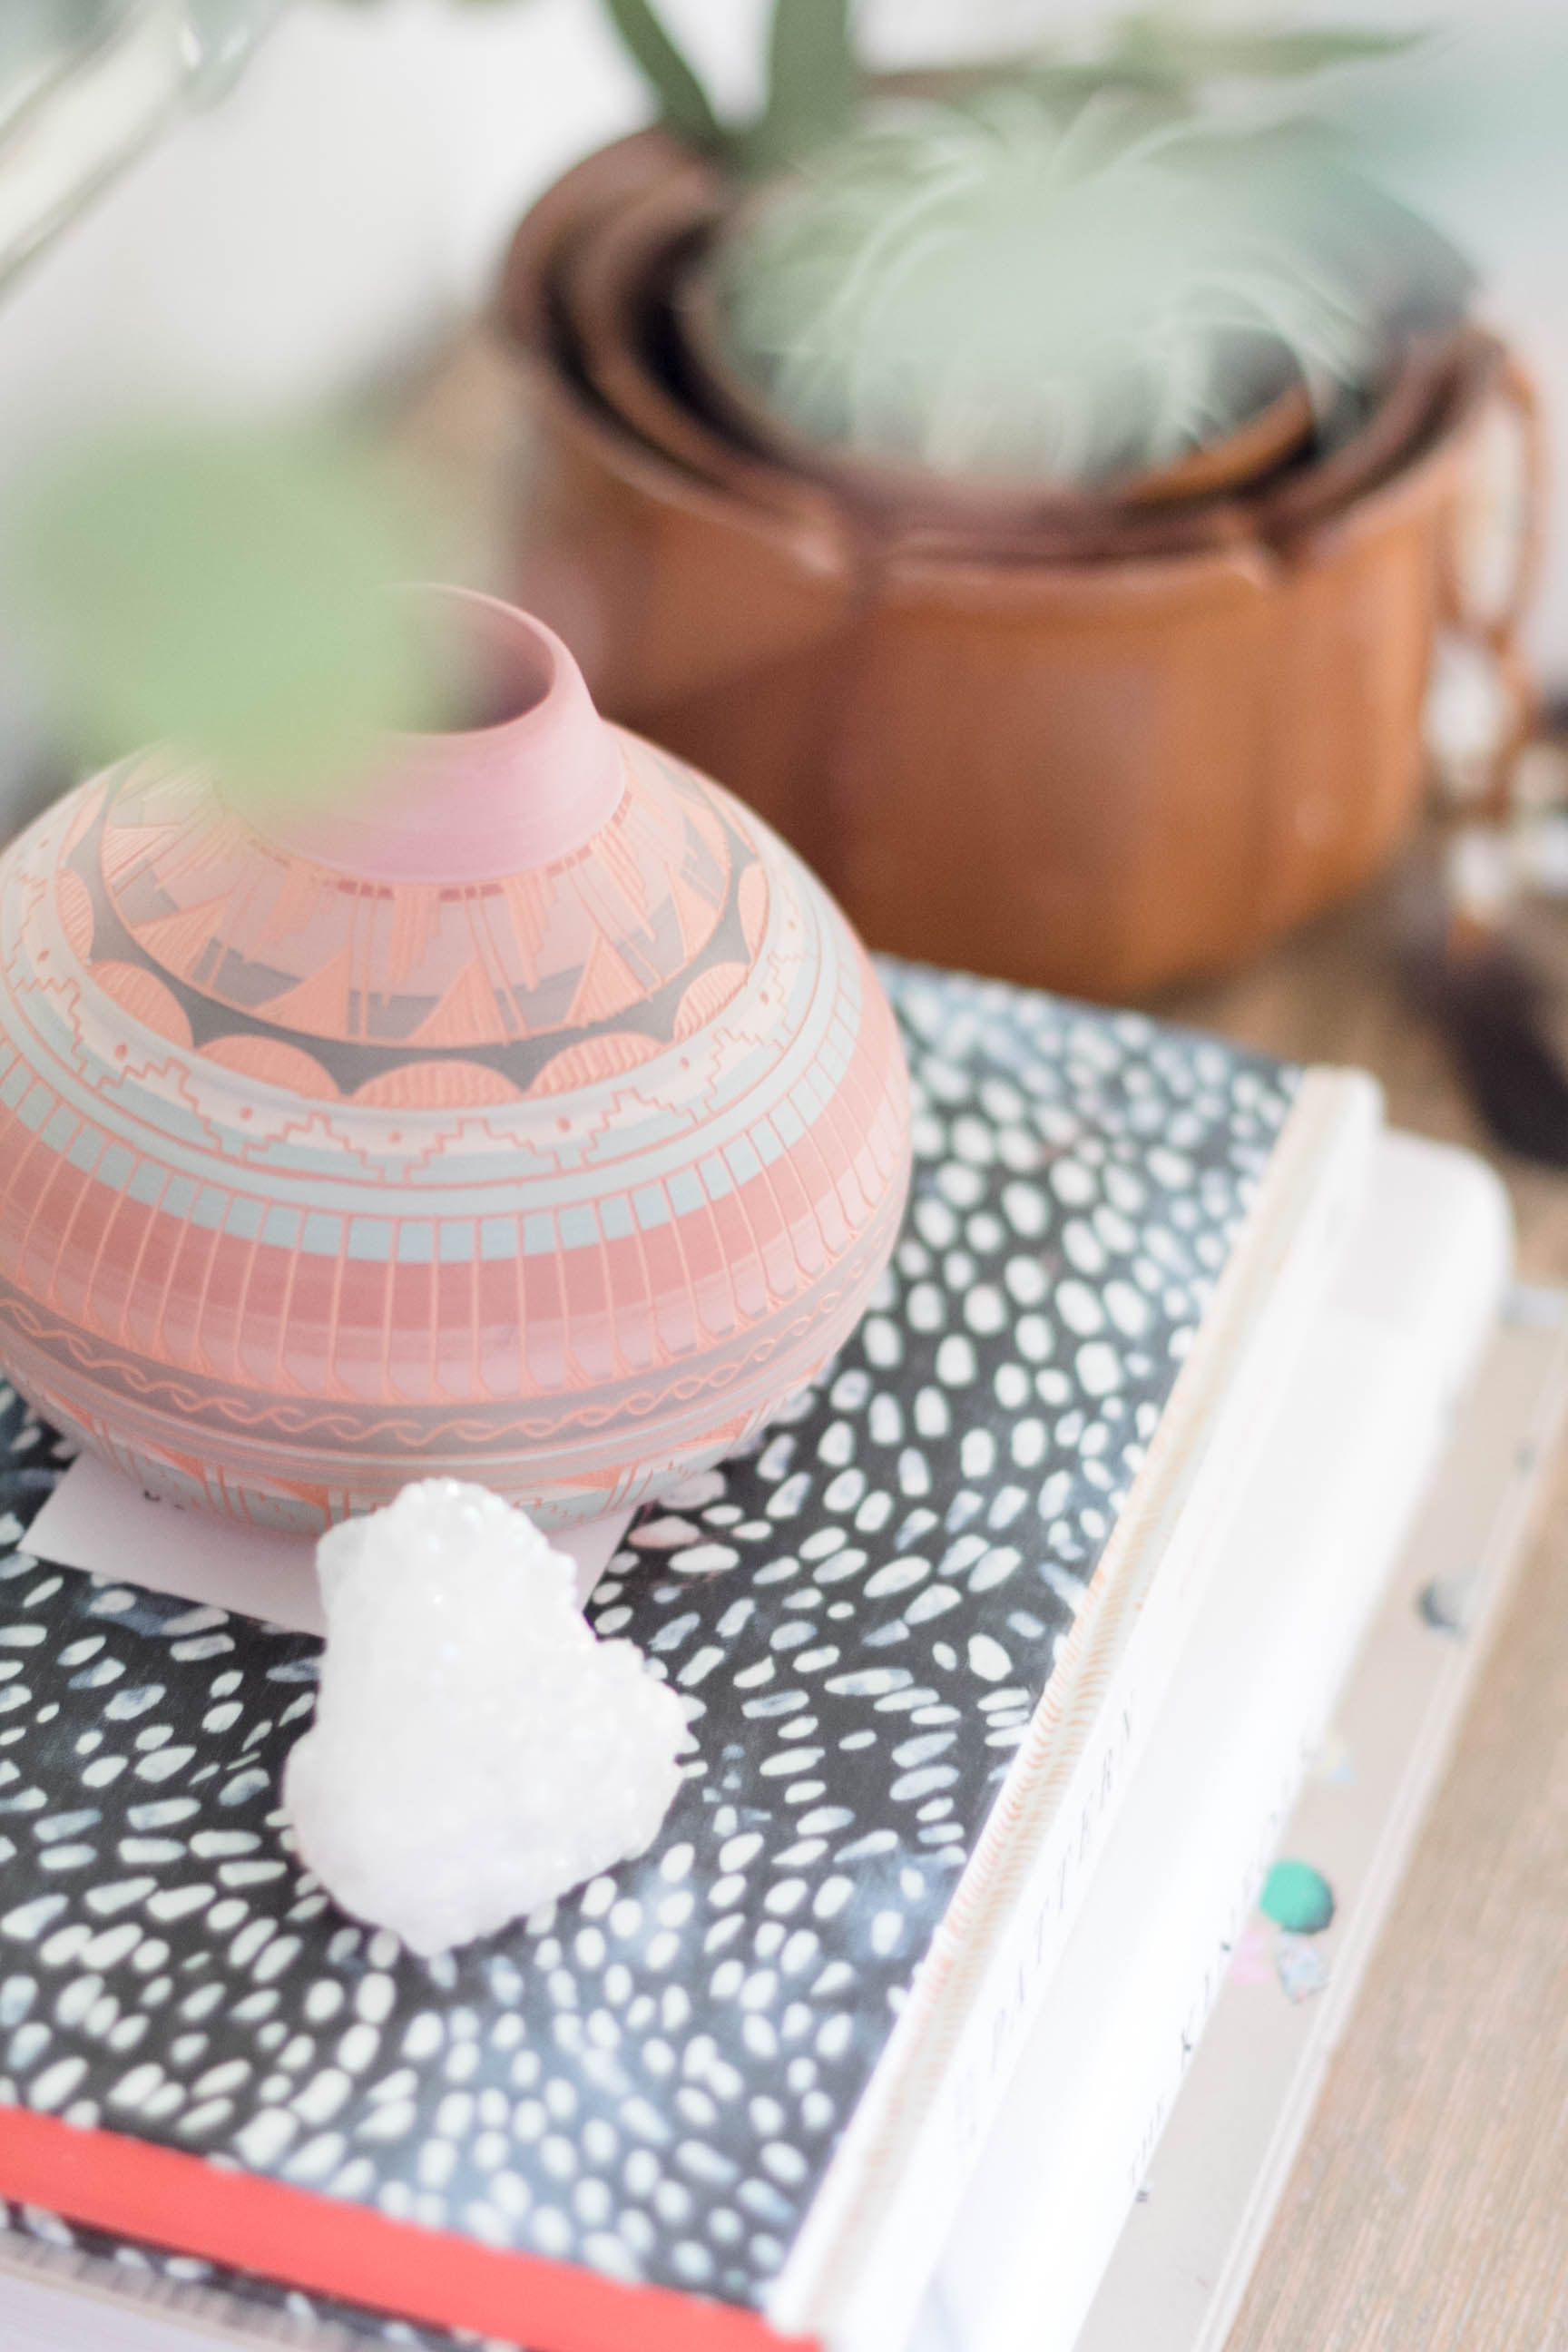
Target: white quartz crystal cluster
(476, 1751)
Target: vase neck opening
(494, 672)
(525, 774)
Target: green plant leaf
(683, 102)
(814, 82)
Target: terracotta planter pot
(1095, 759)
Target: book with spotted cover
(733, 2091)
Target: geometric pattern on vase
(313, 1180)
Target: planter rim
(618, 169)
(1266, 440)
(820, 541)
(828, 545)
(1251, 564)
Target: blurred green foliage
(1069, 288)
(684, 104)
(233, 592)
(813, 84)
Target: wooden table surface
(1428, 2211)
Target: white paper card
(100, 1520)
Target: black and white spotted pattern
(651, 2078)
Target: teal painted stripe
(211, 1208)
(146, 1185)
(35, 1108)
(246, 1218)
(616, 1218)
(652, 1207)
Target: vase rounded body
(545, 1124)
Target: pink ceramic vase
(538, 1119)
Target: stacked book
(1005, 1655)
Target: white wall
(333, 211)
(352, 198)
